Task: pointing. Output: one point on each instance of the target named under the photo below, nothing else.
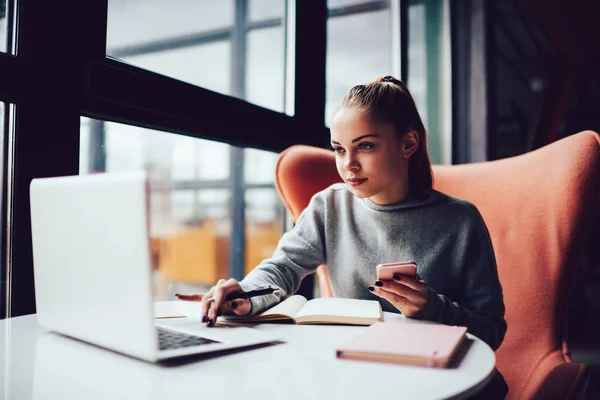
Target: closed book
(424, 344)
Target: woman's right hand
(211, 310)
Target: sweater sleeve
(480, 306)
(299, 252)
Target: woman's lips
(356, 182)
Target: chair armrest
(566, 380)
(324, 285)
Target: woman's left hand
(407, 294)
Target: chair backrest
(538, 208)
(301, 172)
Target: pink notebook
(415, 344)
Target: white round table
(43, 365)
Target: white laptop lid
(92, 260)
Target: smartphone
(385, 272)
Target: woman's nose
(351, 164)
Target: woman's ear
(410, 143)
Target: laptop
(93, 272)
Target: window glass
(192, 41)
(266, 63)
(259, 166)
(195, 207)
(264, 209)
(259, 10)
(205, 65)
(264, 224)
(3, 26)
(190, 200)
(200, 159)
(356, 56)
(133, 23)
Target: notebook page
(336, 306)
(289, 307)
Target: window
(205, 65)
(3, 26)
(265, 68)
(356, 56)
(265, 9)
(193, 192)
(199, 42)
(429, 74)
(137, 23)
(204, 191)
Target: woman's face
(370, 157)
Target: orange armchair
(538, 208)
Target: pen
(245, 295)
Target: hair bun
(388, 78)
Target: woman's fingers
(190, 297)
(238, 307)
(216, 306)
(413, 283)
(206, 305)
(409, 301)
(397, 288)
(396, 299)
(215, 301)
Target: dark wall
(533, 67)
(520, 65)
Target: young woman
(386, 211)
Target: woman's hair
(387, 100)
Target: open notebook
(320, 311)
(415, 344)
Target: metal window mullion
(395, 19)
(6, 191)
(358, 8)
(237, 248)
(97, 148)
(264, 24)
(399, 33)
(172, 43)
(289, 55)
(11, 23)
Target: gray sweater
(445, 236)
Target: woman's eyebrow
(358, 138)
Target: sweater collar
(410, 202)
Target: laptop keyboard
(168, 340)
